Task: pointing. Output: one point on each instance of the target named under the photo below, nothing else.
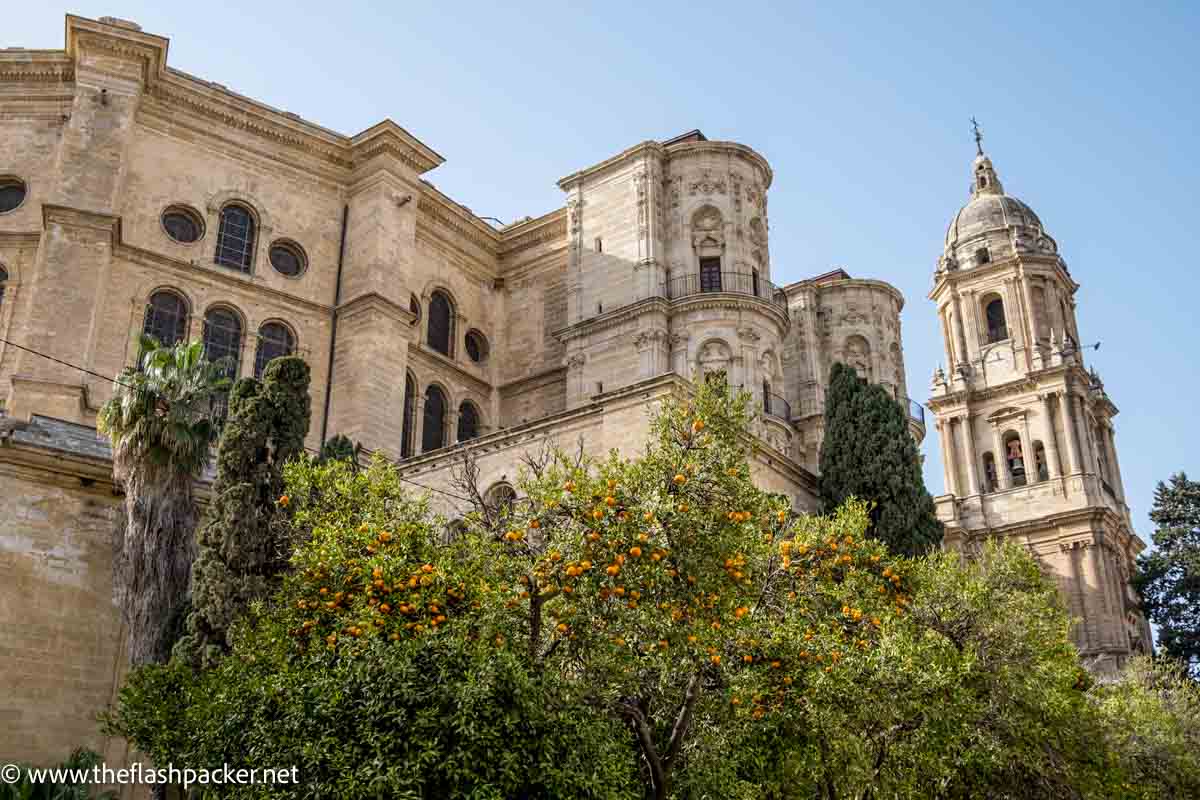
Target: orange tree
(372, 671)
(683, 600)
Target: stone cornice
(612, 319)
(21, 237)
(723, 148)
(83, 218)
(1095, 516)
(212, 103)
(668, 151)
(388, 138)
(551, 227)
(36, 66)
(119, 40)
(435, 360)
(224, 277)
(950, 279)
(435, 206)
(649, 146)
(1034, 381)
(733, 302)
(543, 378)
(373, 301)
(846, 283)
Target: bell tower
(1026, 429)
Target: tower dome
(992, 225)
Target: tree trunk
(154, 563)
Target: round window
(477, 348)
(182, 224)
(287, 258)
(12, 193)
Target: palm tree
(161, 420)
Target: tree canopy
(1168, 577)
(868, 452)
(652, 627)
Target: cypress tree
(869, 453)
(241, 545)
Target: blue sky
(1090, 115)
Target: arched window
(476, 346)
(166, 318)
(406, 429)
(501, 498)
(468, 421)
(223, 337)
(3, 283)
(275, 340)
(1039, 460)
(433, 426)
(414, 305)
(235, 238)
(1014, 458)
(710, 274)
(441, 323)
(997, 328)
(766, 397)
(989, 472)
(754, 283)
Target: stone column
(949, 463)
(1002, 477)
(1118, 482)
(1027, 454)
(964, 355)
(1030, 310)
(1112, 624)
(947, 341)
(969, 453)
(1065, 405)
(1052, 466)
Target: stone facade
(1026, 430)
(137, 198)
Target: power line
(117, 381)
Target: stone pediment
(1008, 412)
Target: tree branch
(684, 719)
(645, 737)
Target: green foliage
(340, 447)
(26, 788)
(692, 603)
(654, 627)
(161, 423)
(364, 702)
(869, 453)
(244, 544)
(1168, 577)
(1151, 723)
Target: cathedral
(136, 198)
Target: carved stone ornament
(749, 334)
(707, 184)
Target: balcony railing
(916, 411)
(729, 282)
(776, 406)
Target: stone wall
(60, 632)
